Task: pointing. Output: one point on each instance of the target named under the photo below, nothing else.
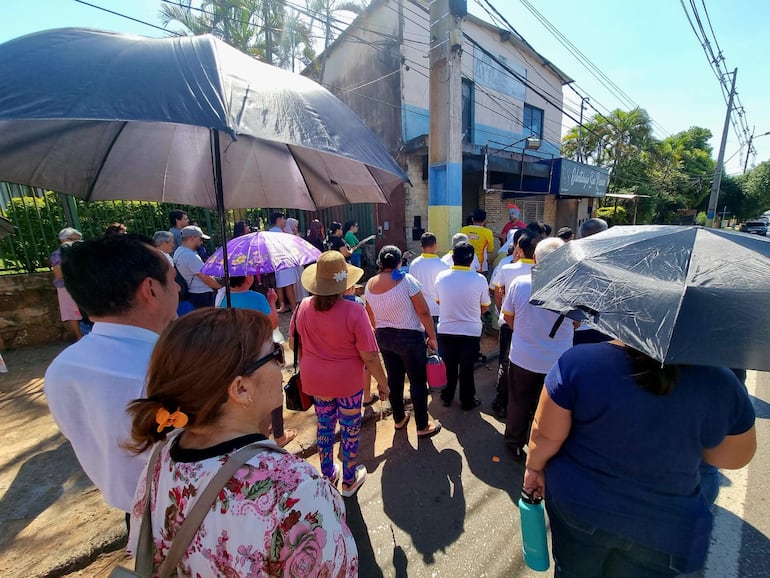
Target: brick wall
(29, 311)
(416, 198)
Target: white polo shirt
(461, 293)
(88, 386)
(425, 269)
(531, 346)
(504, 274)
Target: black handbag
(296, 399)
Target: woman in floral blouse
(277, 516)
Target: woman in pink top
(336, 342)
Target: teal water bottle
(534, 542)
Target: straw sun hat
(330, 275)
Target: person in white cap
(188, 262)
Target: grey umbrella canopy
(682, 295)
(109, 116)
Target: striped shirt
(394, 308)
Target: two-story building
(511, 117)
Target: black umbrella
(188, 120)
(682, 295)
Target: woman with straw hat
(336, 342)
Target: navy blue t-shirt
(630, 463)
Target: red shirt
(329, 344)
(511, 225)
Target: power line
(121, 15)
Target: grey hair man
(164, 240)
(592, 226)
(458, 238)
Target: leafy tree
(260, 28)
(323, 15)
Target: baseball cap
(193, 231)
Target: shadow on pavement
(35, 488)
(422, 494)
(485, 452)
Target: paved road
(445, 506)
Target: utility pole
(748, 152)
(717, 182)
(583, 100)
(445, 156)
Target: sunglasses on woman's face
(276, 355)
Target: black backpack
(184, 288)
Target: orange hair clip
(165, 419)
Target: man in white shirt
(460, 238)
(426, 268)
(127, 288)
(201, 287)
(523, 257)
(537, 343)
(463, 297)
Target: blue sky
(647, 48)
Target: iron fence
(38, 216)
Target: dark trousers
(198, 300)
(459, 353)
(501, 387)
(404, 352)
(581, 549)
(523, 392)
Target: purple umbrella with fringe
(261, 252)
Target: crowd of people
(614, 441)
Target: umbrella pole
(217, 159)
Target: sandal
(403, 422)
(349, 490)
(288, 435)
(375, 399)
(430, 431)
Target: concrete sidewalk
(52, 520)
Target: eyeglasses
(276, 355)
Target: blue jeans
(581, 550)
(355, 259)
(404, 352)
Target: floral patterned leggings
(346, 410)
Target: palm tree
(323, 15)
(248, 25)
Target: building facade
(511, 117)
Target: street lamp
(748, 152)
(532, 143)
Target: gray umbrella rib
(104, 160)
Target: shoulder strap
(296, 336)
(144, 545)
(203, 504)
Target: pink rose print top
(276, 517)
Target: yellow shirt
(482, 239)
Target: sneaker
(349, 490)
